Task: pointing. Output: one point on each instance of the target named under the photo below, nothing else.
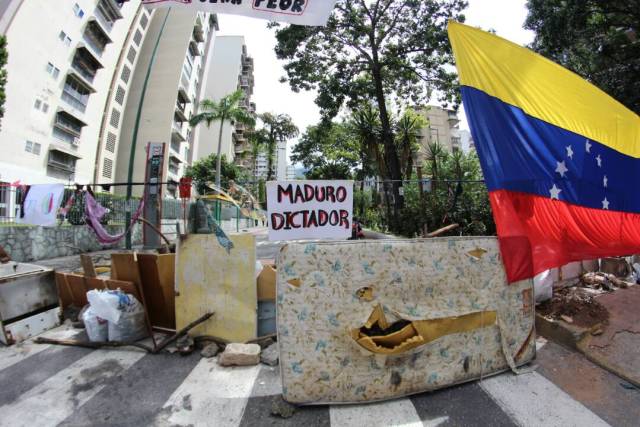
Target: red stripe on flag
(538, 233)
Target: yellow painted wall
(208, 279)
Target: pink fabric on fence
(94, 212)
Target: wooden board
(157, 273)
(73, 288)
(210, 280)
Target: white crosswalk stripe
(400, 412)
(15, 353)
(210, 396)
(533, 400)
(50, 402)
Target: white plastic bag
(96, 327)
(131, 324)
(106, 304)
(543, 286)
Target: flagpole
(134, 140)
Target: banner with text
(300, 12)
(309, 209)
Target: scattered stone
(270, 355)
(240, 355)
(211, 350)
(185, 345)
(282, 408)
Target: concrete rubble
(240, 355)
(270, 355)
(211, 350)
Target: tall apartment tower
(442, 128)
(63, 98)
(231, 70)
(173, 90)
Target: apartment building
(63, 56)
(442, 128)
(231, 69)
(291, 173)
(279, 168)
(174, 88)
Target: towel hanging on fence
(94, 212)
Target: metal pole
(134, 141)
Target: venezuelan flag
(561, 158)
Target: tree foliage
(203, 172)
(597, 39)
(3, 72)
(276, 128)
(374, 51)
(328, 151)
(228, 109)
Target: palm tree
(228, 109)
(408, 129)
(277, 128)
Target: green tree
(408, 130)
(597, 39)
(328, 151)
(275, 128)
(372, 51)
(3, 73)
(228, 109)
(204, 172)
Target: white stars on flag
(588, 146)
(599, 160)
(562, 168)
(555, 192)
(605, 181)
(570, 152)
(605, 204)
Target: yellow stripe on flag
(542, 89)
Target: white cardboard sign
(309, 209)
(300, 12)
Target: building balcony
(194, 49)
(198, 32)
(177, 134)
(107, 13)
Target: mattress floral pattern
(325, 290)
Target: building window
(131, 56)
(32, 147)
(67, 128)
(61, 161)
(107, 168)
(95, 37)
(53, 70)
(115, 118)
(137, 38)
(78, 11)
(144, 21)
(64, 38)
(45, 107)
(120, 95)
(85, 64)
(111, 142)
(75, 93)
(38, 104)
(126, 73)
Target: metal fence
(173, 210)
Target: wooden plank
(65, 298)
(87, 266)
(158, 277)
(211, 280)
(77, 288)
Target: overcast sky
(506, 17)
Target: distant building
(231, 69)
(279, 168)
(442, 128)
(466, 141)
(281, 161)
(173, 90)
(291, 173)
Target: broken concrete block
(210, 350)
(270, 355)
(240, 355)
